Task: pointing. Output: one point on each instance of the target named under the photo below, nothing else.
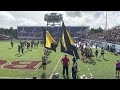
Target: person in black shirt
(108, 48)
(12, 44)
(37, 43)
(44, 63)
(74, 60)
(96, 46)
(20, 43)
(96, 53)
(28, 45)
(31, 44)
(22, 50)
(102, 52)
(25, 43)
(74, 71)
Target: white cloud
(26, 21)
(6, 19)
(71, 18)
(73, 13)
(6, 16)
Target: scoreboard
(53, 17)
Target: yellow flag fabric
(63, 41)
(50, 41)
(71, 41)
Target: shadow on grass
(41, 64)
(9, 48)
(30, 50)
(106, 59)
(98, 60)
(43, 76)
(19, 55)
(65, 77)
(117, 77)
(25, 51)
(90, 62)
(48, 62)
(16, 54)
(54, 77)
(49, 52)
(84, 61)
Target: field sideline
(99, 69)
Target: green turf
(100, 69)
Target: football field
(18, 66)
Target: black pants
(96, 55)
(19, 51)
(12, 45)
(74, 62)
(65, 68)
(74, 75)
(22, 51)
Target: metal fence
(115, 47)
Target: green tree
(9, 31)
(94, 31)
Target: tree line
(9, 31)
(95, 30)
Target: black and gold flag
(67, 44)
(49, 41)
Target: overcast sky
(71, 18)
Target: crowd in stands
(111, 36)
(75, 31)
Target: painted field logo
(24, 65)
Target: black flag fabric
(67, 44)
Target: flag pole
(76, 63)
(45, 49)
(75, 57)
(44, 37)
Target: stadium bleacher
(28, 32)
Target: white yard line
(12, 78)
(91, 74)
(89, 70)
(55, 68)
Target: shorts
(102, 53)
(88, 56)
(43, 63)
(82, 54)
(117, 68)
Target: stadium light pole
(106, 24)
(106, 21)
